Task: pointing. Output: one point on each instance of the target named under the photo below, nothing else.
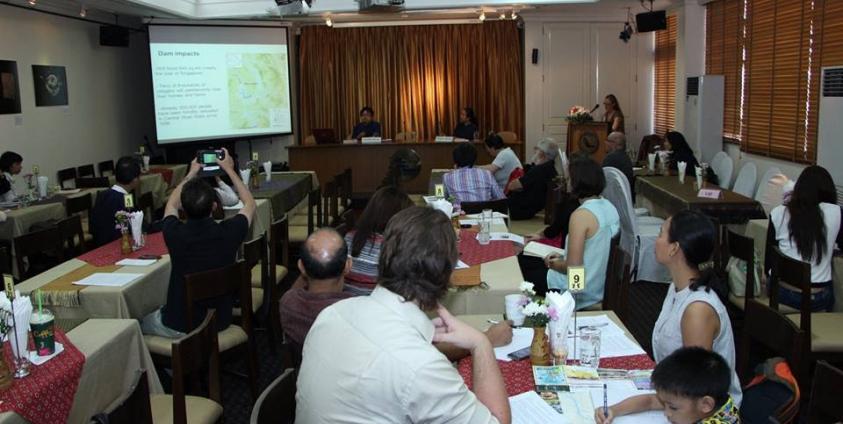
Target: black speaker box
(651, 21)
(535, 56)
(114, 36)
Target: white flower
(535, 308)
(527, 288)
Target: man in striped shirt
(467, 183)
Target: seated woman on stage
(467, 127)
(805, 228)
(367, 127)
(675, 143)
(364, 241)
(505, 161)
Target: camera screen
(209, 157)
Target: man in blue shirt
(102, 223)
(367, 127)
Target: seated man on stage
(467, 183)
(528, 194)
(367, 127)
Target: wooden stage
(369, 162)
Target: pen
(605, 402)
(491, 321)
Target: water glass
(558, 342)
(589, 347)
(484, 236)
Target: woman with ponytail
(805, 228)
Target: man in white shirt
(371, 359)
(505, 160)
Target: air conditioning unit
(381, 6)
(704, 115)
(829, 147)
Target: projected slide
(219, 82)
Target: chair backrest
(508, 136)
(330, 194)
(72, 235)
(5, 260)
(136, 407)
(614, 274)
(279, 245)
(343, 181)
(499, 205)
(106, 168)
(765, 181)
(277, 403)
(254, 254)
(795, 273)
(86, 171)
(309, 140)
(745, 183)
(26, 245)
(65, 175)
(232, 280)
(718, 158)
(768, 333)
(196, 352)
(743, 248)
(314, 210)
(144, 203)
(92, 182)
(406, 137)
(618, 193)
(825, 406)
(724, 170)
(78, 204)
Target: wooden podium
(575, 133)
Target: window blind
(665, 78)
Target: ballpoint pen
(605, 402)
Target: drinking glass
(589, 347)
(558, 342)
(484, 236)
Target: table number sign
(254, 156)
(128, 201)
(141, 149)
(9, 286)
(709, 193)
(439, 190)
(576, 279)
(443, 139)
(370, 140)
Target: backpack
(772, 395)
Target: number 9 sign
(576, 279)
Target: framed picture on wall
(50, 85)
(9, 87)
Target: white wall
(109, 108)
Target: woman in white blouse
(227, 195)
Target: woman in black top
(467, 127)
(613, 115)
(675, 143)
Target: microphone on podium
(595, 108)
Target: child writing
(692, 386)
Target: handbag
(736, 271)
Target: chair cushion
(280, 273)
(738, 301)
(298, 233)
(825, 331)
(199, 410)
(257, 302)
(642, 212)
(232, 336)
(299, 219)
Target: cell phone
(155, 257)
(520, 354)
(465, 225)
(209, 157)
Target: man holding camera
(199, 244)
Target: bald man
(323, 265)
(617, 157)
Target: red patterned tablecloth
(46, 395)
(166, 173)
(473, 253)
(518, 375)
(110, 253)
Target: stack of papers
(135, 262)
(521, 338)
(541, 250)
(476, 221)
(105, 279)
(494, 215)
(506, 237)
(529, 408)
(613, 341)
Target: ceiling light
(329, 22)
(482, 16)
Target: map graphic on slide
(253, 97)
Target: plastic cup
(589, 347)
(513, 304)
(42, 325)
(42, 186)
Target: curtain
(665, 78)
(416, 78)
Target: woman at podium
(613, 114)
(467, 126)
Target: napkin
(3, 216)
(136, 224)
(443, 205)
(267, 168)
(563, 308)
(651, 161)
(681, 167)
(244, 175)
(146, 162)
(23, 311)
(699, 172)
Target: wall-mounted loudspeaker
(114, 36)
(535, 56)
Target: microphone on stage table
(595, 108)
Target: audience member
(323, 263)
(675, 143)
(364, 241)
(693, 313)
(367, 127)
(505, 160)
(372, 359)
(469, 184)
(617, 157)
(227, 196)
(528, 194)
(806, 228)
(197, 245)
(467, 127)
(404, 165)
(692, 386)
(102, 223)
(11, 164)
(590, 232)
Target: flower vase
(539, 351)
(6, 377)
(126, 244)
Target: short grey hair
(619, 138)
(549, 147)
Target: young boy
(692, 386)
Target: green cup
(42, 325)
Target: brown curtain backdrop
(414, 77)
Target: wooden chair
(257, 262)
(81, 207)
(135, 408)
(5, 260)
(277, 403)
(65, 175)
(309, 140)
(195, 353)
(825, 405)
(34, 243)
(768, 333)
(279, 269)
(330, 200)
(72, 236)
(298, 233)
(86, 171)
(614, 276)
(92, 182)
(499, 205)
(344, 188)
(743, 248)
(144, 203)
(106, 168)
(407, 137)
(508, 137)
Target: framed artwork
(9, 87)
(50, 84)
